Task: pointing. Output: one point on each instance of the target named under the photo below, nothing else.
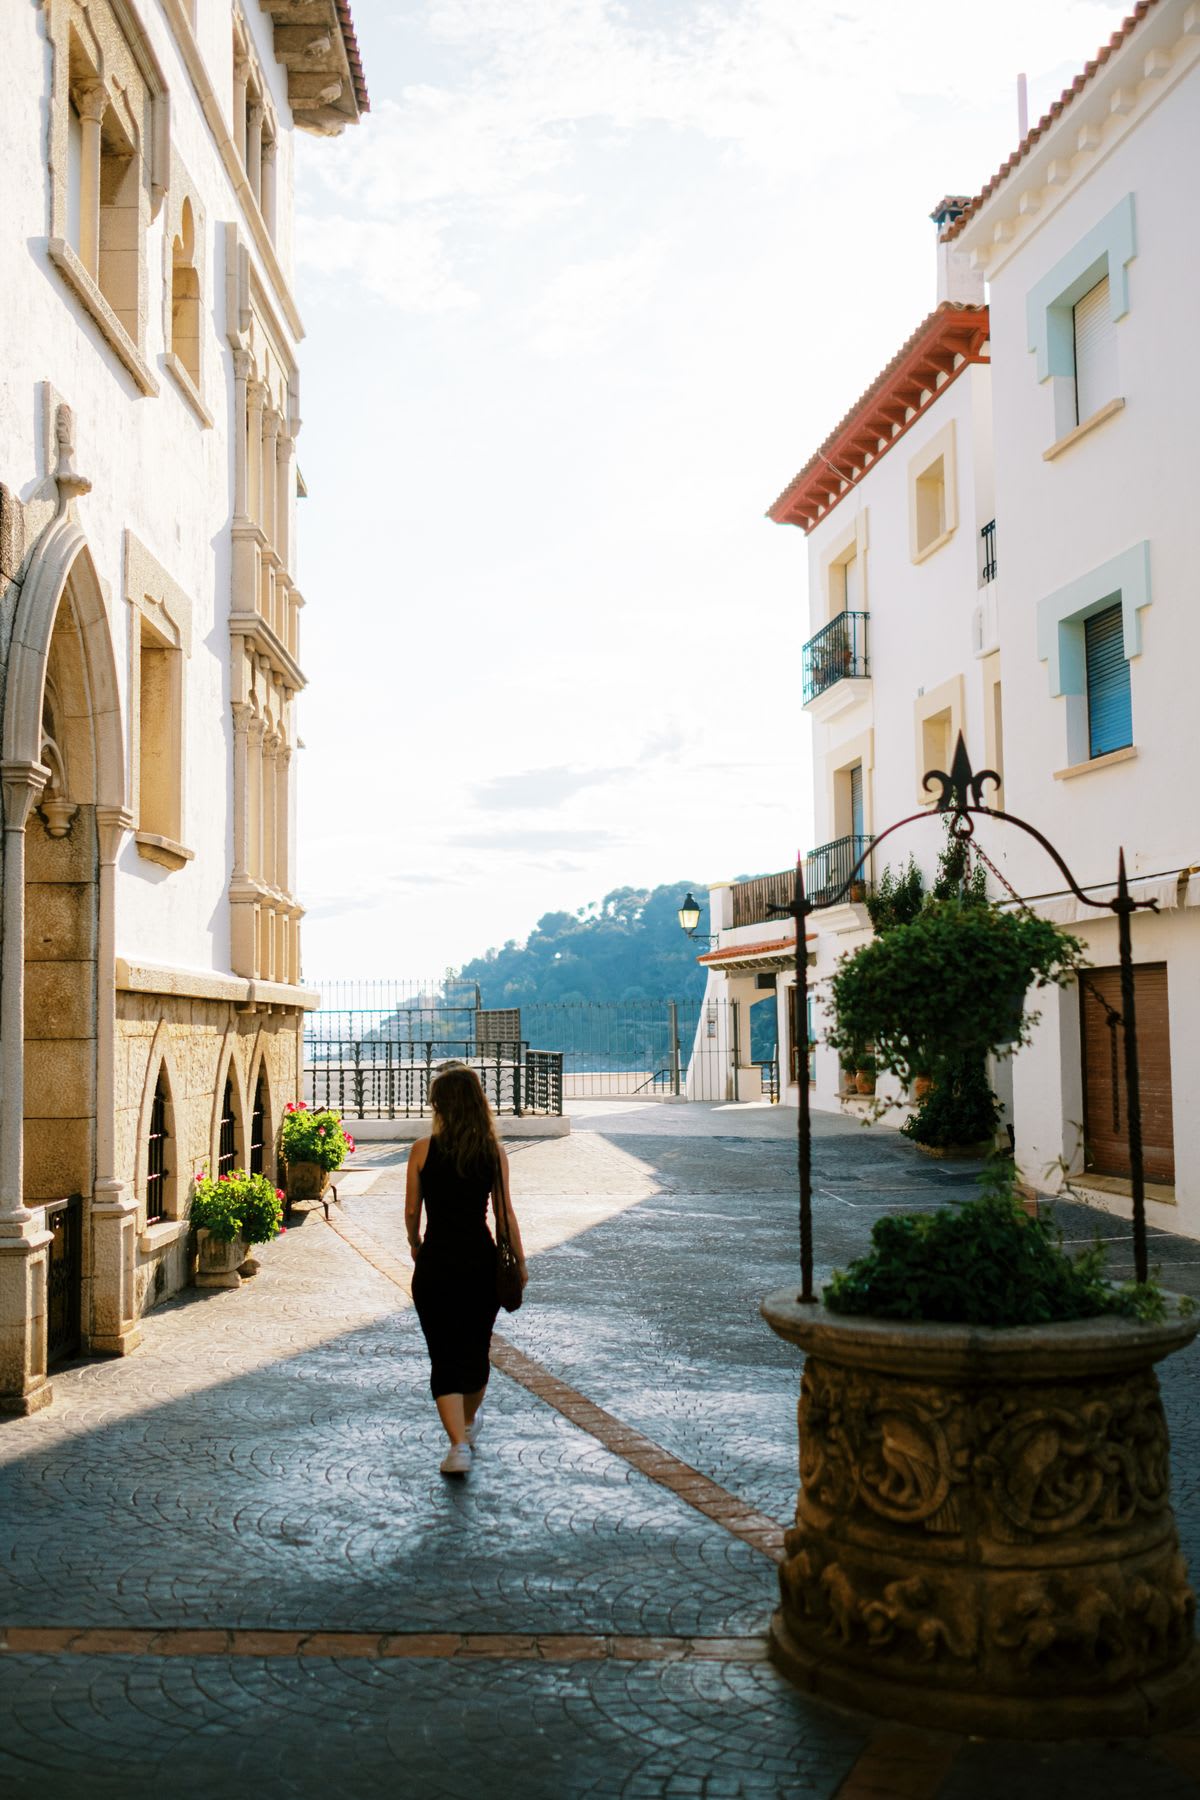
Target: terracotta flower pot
(921, 1086)
(984, 1539)
(864, 1083)
(306, 1180)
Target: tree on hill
(627, 946)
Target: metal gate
(64, 1285)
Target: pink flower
(289, 1107)
(320, 1131)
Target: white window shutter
(1095, 352)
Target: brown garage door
(1106, 1122)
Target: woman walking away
(451, 1175)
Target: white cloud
(402, 261)
(586, 302)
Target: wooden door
(1105, 1113)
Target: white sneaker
(474, 1429)
(457, 1460)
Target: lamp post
(689, 918)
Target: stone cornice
(254, 628)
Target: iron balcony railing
(837, 651)
(756, 901)
(827, 869)
(988, 534)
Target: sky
(582, 292)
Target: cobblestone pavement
(229, 1562)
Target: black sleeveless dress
(454, 1280)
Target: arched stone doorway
(64, 791)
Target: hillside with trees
(628, 946)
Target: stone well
(984, 1538)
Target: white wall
(154, 469)
(1135, 130)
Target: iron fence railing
(754, 901)
(988, 534)
(837, 651)
(373, 1076)
(369, 1063)
(828, 868)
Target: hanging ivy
(948, 985)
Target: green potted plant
(958, 1117)
(984, 1540)
(866, 1069)
(948, 985)
(229, 1214)
(313, 1145)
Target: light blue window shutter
(856, 800)
(1110, 707)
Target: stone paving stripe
(900, 1765)
(640, 1452)
(507, 1646)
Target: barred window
(258, 1127)
(156, 1156)
(227, 1145)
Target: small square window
(931, 504)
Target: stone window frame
(114, 60)
(1105, 251)
(155, 597)
(160, 1064)
(228, 1069)
(1061, 617)
(942, 446)
(850, 543)
(947, 697)
(183, 192)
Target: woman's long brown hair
(462, 1119)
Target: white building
(1092, 271)
(150, 1000)
(897, 508)
(1029, 579)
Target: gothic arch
(161, 1063)
(260, 1070)
(61, 567)
(228, 1070)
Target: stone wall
(197, 1044)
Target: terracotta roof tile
(1125, 30)
(352, 56)
(770, 948)
(947, 320)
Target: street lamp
(689, 918)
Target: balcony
(757, 901)
(837, 653)
(827, 870)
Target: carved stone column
(91, 101)
(241, 83)
(267, 197)
(24, 1240)
(285, 482)
(270, 457)
(284, 877)
(243, 368)
(254, 125)
(110, 1317)
(256, 397)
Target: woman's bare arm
(412, 1193)
(514, 1230)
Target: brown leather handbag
(510, 1289)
